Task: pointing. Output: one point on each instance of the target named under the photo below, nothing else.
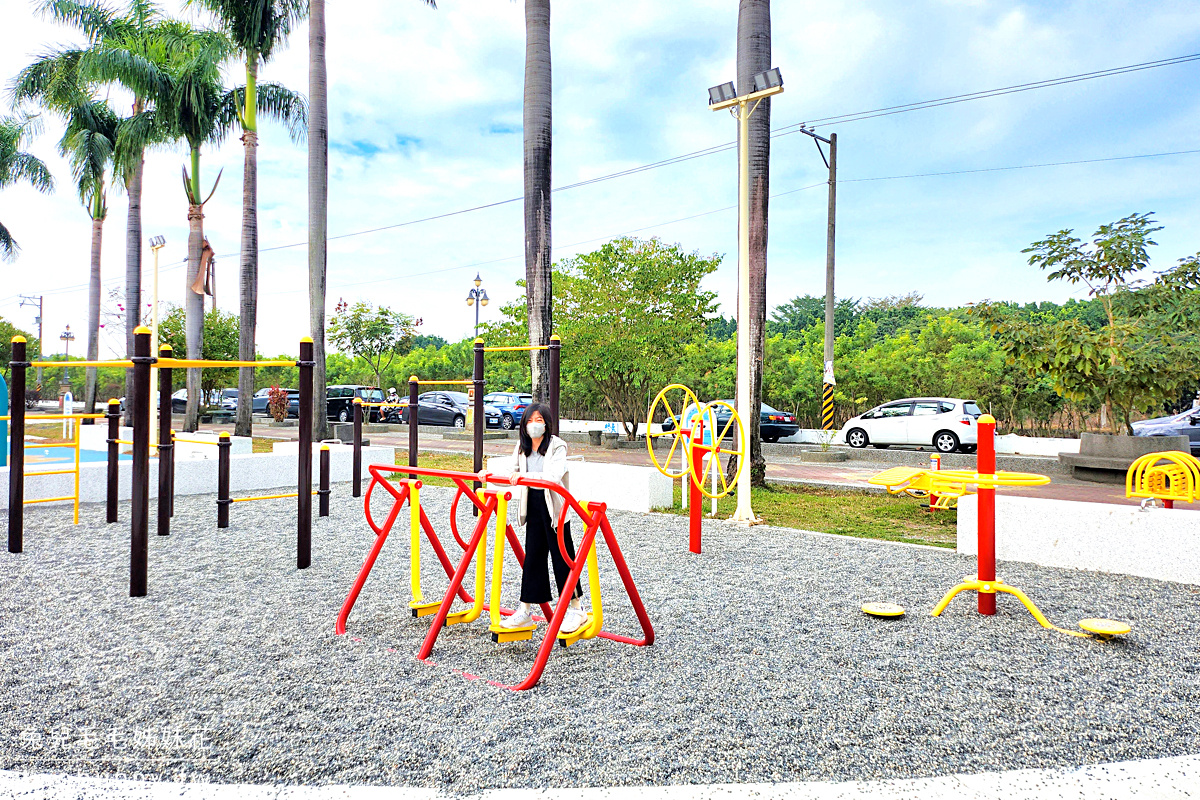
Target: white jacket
(554, 469)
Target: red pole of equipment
(695, 499)
(985, 464)
(935, 464)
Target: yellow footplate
(582, 632)
(423, 609)
(1104, 628)
(455, 617)
(505, 635)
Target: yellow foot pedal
(456, 617)
(582, 632)
(505, 635)
(883, 609)
(423, 609)
(1104, 629)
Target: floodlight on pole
(742, 108)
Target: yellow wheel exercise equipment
(732, 431)
(674, 396)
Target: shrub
(277, 403)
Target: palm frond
(16, 165)
(282, 104)
(31, 169)
(52, 80)
(94, 19)
(256, 26)
(138, 74)
(8, 245)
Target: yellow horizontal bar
(123, 441)
(49, 500)
(81, 363)
(194, 441)
(184, 363)
(51, 472)
(265, 497)
(385, 405)
(446, 383)
(33, 419)
(516, 347)
(30, 445)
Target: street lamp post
(156, 243)
(477, 294)
(742, 108)
(66, 337)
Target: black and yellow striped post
(827, 406)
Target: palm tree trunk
(539, 290)
(193, 303)
(754, 56)
(133, 266)
(318, 207)
(248, 320)
(93, 346)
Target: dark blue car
(511, 406)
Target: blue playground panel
(64, 455)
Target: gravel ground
(763, 668)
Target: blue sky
(425, 111)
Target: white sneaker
(572, 620)
(523, 617)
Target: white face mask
(536, 429)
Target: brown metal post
(555, 354)
(16, 448)
(479, 384)
(166, 445)
(304, 471)
(114, 455)
(224, 448)
(139, 543)
(358, 423)
(414, 422)
(323, 483)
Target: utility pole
(828, 381)
(28, 301)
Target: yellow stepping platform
(423, 609)
(883, 609)
(1104, 628)
(505, 635)
(584, 631)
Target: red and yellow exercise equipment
(1166, 477)
(695, 434)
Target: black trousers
(541, 540)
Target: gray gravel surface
(763, 668)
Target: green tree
(220, 344)
(624, 312)
(1147, 350)
(258, 29)
(17, 166)
(376, 335)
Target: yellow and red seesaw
(984, 480)
(493, 502)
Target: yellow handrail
(516, 347)
(34, 445)
(445, 383)
(33, 419)
(193, 363)
(125, 364)
(265, 497)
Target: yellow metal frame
(418, 604)
(126, 364)
(476, 610)
(443, 383)
(997, 586)
(1178, 479)
(74, 443)
(516, 348)
(265, 497)
(595, 618)
(950, 484)
(202, 363)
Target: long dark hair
(526, 439)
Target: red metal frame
(985, 464)
(595, 519)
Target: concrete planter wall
(1106, 459)
(1158, 543)
(618, 485)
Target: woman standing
(542, 455)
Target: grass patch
(454, 461)
(866, 515)
(262, 445)
(50, 432)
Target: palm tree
(753, 57)
(318, 205)
(318, 202)
(539, 288)
(89, 143)
(257, 28)
(17, 166)
(127, 49)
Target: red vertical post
(695, 499)
(985, 464)
(935, 464)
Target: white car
(945, 423)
